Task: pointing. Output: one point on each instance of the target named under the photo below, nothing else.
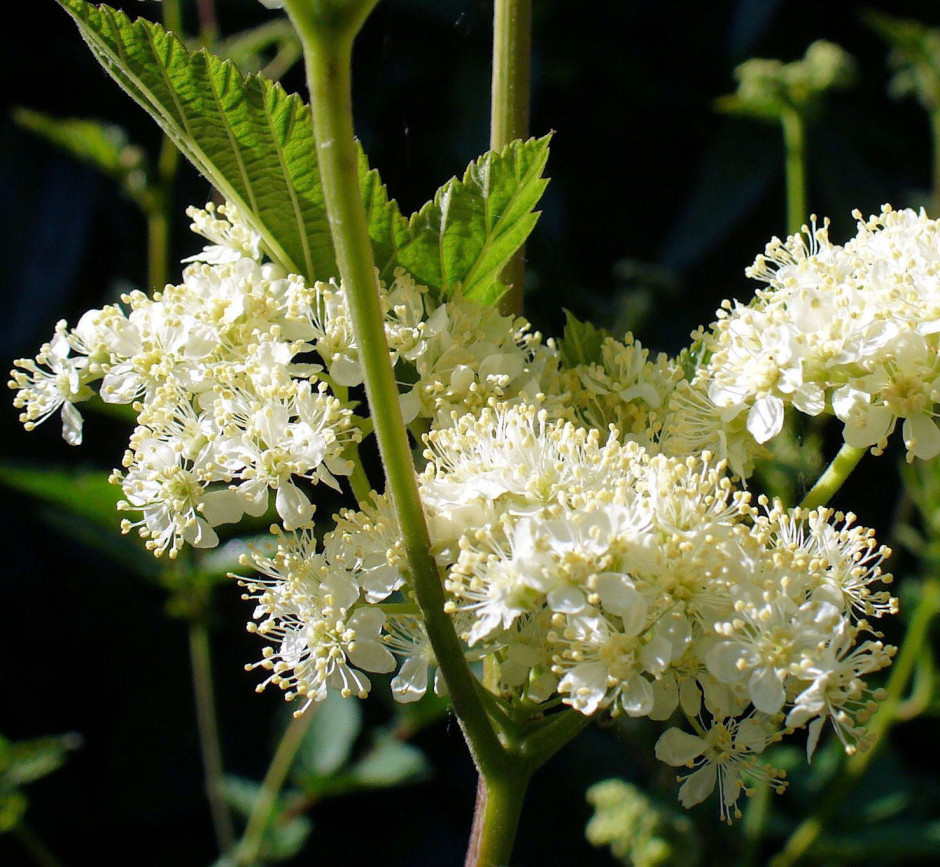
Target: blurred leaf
(23, 762)
(123, 550)
(330, 736)
(102, 145)
(284, 839)
(240, 793)
(85, 493)
(415, 716)
(12, 807)
(390, 763)
(84, 505)
(286, 831)
(891, 844)
(249, 138)
(247, 49)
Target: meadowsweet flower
(624, 388)
(726, 750)
(850, 330)
(308, 609)
(64, 382)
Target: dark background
(656, 205)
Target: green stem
(935, 136)
(539, 746)
(208, 24)
(828, 484)
(809, 831)
(327, 29)
(208, 726)
(157, 210)
(509, 110)
(37, 850)
(496, 818)
(246, 855)
(173, 17)
(794, 145)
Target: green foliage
(328, 763)
(87, 494)
(330, 737)
(639, 831)
(472, 227)
(249, 138)
(768, 88)
(254, 143)
(286, 831)
(581, 342)
(24, 762)
(102, 145)
(84, 506)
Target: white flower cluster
(230, 409)
(851, 330)
(592, 570)
(591, 539)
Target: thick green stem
(208, 726)
(935, 179)
(173, 17)
(794, 145)
(327, 29)
(509, 110)
(157, 207)
(496, 818)
(246, 855)
(809, 831)
(834, 477)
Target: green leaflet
(581, 342)
(255, 144)
(471, 228)
(249, 138)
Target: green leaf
(25, 761)
(581, 342)
(285, 832)
(386, 225)
(330, 737)
(390, 763)
(250, 139)
(102, 145)
(472, 227)
(88, 494)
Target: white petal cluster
(850, 330)
(233, 408)
(624, 388)
(616, 579)
(593, 540)
(228, 413)
(451, 356)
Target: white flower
(170, 492)
(308, 609)
(41, 392)
(719, 756)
